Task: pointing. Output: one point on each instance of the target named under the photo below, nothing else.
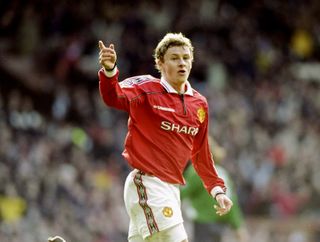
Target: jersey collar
(170, 89)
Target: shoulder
(199, 97)
(142, 81)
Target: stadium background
(257, 62)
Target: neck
(180, 88)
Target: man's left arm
(204, 165)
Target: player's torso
(159, 113)
(172, 113)
(162, 128)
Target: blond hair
(169, 40)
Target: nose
(182, 62)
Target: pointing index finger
(101, 45)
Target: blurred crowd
(61, 170)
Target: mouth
(182, 72)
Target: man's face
(176, 65)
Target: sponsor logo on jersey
(168, 126)
(164, 108)
(201, 113)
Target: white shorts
(152, 205)
(176, 233)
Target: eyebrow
(174, 54)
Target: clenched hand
(107, 56)
(225, 204)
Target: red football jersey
(165, 129)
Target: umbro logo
(164, 108)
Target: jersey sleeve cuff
(110, 73)
(216, 190)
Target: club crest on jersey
(201, 113)
(168, 126)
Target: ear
(159, 64)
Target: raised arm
(111, 92)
